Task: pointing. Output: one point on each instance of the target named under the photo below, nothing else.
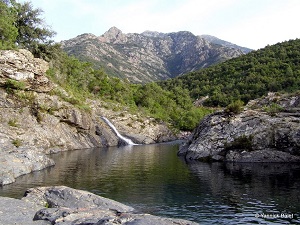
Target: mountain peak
(114, 35)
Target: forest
(274, 68)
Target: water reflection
(153, 179)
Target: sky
(248, 23)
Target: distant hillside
(272, 69)
(218, 41)
(149, 56)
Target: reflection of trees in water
(264, 186)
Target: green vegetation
(13, 123)
(8, 32)
(275, 68)
(235, 107)
(273, 109)
(17, 142)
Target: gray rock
(68, 206)
(15, 211)
(22, 66)
(268, 130)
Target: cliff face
(34, 121)
(268, 130)
(148, 56)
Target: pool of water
(152, 179)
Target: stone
(260, 133)
(16, 211)
(21, 66)
(66, 206)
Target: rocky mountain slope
(149, 56)
(37, 117)
(268, 130)
(219, 41)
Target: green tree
(32, 31)
(8, 32)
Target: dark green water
(154, 180)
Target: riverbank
(38, 118)
(63, 205)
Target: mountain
(218, 41)
(149, 56)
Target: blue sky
(249, 23)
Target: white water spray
(126, 140)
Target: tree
(8, 32)
(32, 31)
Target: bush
(17, 142)
(235, 107)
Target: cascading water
(124, 139)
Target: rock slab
(65, 206)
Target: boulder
(267, 130)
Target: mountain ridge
(149, 56)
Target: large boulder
(268, 130)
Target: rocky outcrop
(218, 41)
(63, 205)
(268, 130)
(21, 66)
(36, 119)
(148, 56)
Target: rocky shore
(37, 118)
(267, 130)
(65, 206)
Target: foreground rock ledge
(64, 206)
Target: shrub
(13, 123)
(235, 107)
(17, 142)
(273, 109)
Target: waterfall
(124, 139)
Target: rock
(15, 211)
(268, 130)
(65, 206)
(19, 161)
(21, 66)
(61, 196)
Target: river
(152, 179)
